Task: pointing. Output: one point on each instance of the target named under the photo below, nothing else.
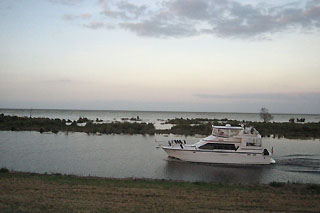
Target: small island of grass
(15, 123)
(181, 126)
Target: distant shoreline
(22, 191)
(156, 111)
(134, 125)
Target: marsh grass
(15, 123)
(288, 130)
(35, 192)
(196, 126)
(315, 188)
(276, 184)
(4, 170)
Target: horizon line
(167, 111)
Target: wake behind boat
(226, 145)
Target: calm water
(123, 156)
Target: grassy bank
(27, 192)
(181, 126)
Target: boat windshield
(225, 132)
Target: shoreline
(157, 111)
(22, 191)
(134, 125)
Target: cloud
(131, 9)
(71, 17)
(98, 25)
(233, 19)
(224, 18)
(160, 30)
(280, 97)
(122, 10)
(66, 2)
(160, 27)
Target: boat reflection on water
(188, 171)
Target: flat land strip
(180, 126)
(27, 192)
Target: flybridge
(228, 126)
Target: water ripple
(309, 163)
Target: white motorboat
(226, 145)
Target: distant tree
(265, 115)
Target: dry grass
(25, 192)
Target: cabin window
(254, 142)
(222, 146)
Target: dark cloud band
(225, 18)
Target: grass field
(27, 192)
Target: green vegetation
(41, 125)
(83, 120)
(315, 188)
(288, 130)
(120, 128)
(132, 119)
(188, 129)
(181, 126)
(4, 170)
(193, 121)
(276, 129)
(15, 123)
(277, 184)
(29, 192)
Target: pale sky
(179, 55)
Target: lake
(126, 156)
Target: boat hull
(219, 157)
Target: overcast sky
(180, 55)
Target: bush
(54, 131)
(4, 170)
(314, 188)
(83, 120)
(276, 184)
